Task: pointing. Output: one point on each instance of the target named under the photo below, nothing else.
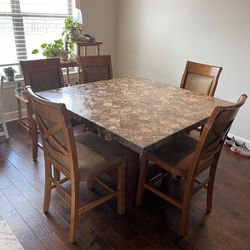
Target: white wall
(156, 38)
(100, 21)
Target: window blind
(26, 24)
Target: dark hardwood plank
(151, 226)
(23, 233)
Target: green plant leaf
(9, 71)
(58, 41)
(58, 45)
(44, 45)
(35, 51)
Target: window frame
(20, 43)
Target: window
(25, 24)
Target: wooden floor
(152, 226)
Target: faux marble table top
(139, 113)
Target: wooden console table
(67, 65)
(85, 46)
(24, 121)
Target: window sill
(13, 84)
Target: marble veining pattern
(140, 113)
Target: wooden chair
(4, 131)
(186, 157)
(201, 78)
(81, 158)
(95, 68)
(43, 74)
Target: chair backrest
(43, 74)
(95, 68)
(201, 78)
(56, 132)
(213, 136)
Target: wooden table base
(132, 171)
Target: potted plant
(71, 30)
(9, 72)
(55, 49)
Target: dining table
(139, 114)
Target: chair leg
(47, 190)
(142, 178)
(186, 207)
(121, 176)
(210, 197)
(210, 189)
(34, 140)
(184, 218)
(74, 216)
(90, 183)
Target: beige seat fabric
(201, 78)
(96, 155)
(198, 83)
(177, 156)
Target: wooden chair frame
(67, 153)
(204, 148)
(94, 61)
(203, 70)
(42, 65)
(38, 66)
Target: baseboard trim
(241, 140)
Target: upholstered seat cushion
(175, 156)
(199, 83)
(95, 155)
